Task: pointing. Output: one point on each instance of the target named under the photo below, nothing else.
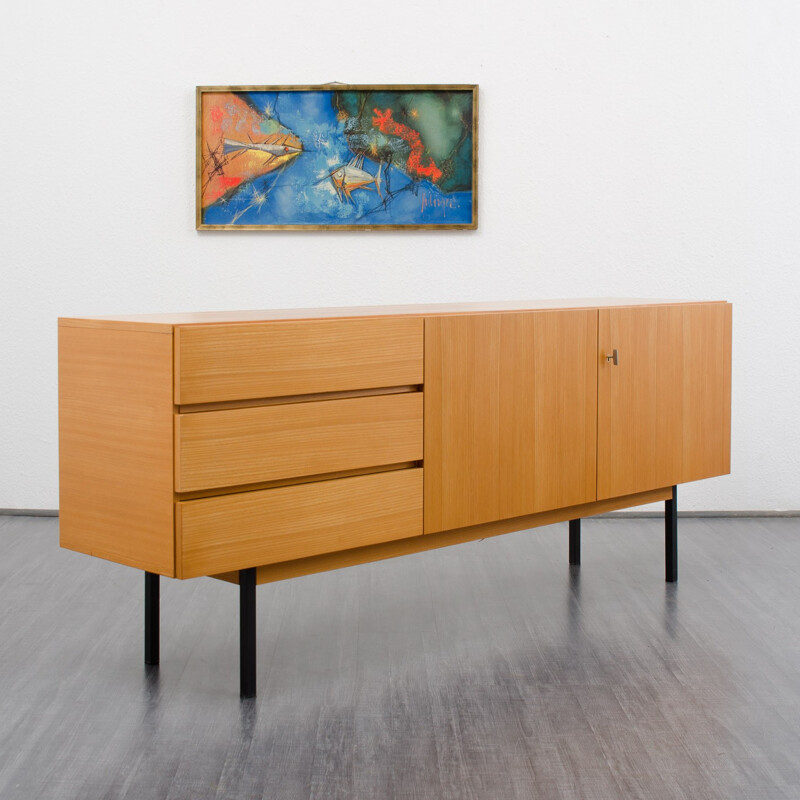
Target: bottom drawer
(237, 531)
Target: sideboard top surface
(166, 321)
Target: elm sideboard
(258, 446)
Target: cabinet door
(510, 415)
(664, 409)
(639, 414)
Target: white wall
(627, 148)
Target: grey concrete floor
(487, 670)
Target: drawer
(290, 357)
(248, 529)
(250, 445)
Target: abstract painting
(337, 157)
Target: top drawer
(280, 358)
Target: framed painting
(337, 157)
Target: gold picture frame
(337, 157)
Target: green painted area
(439, 127)
(442, 119)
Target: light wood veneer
(266, 443)
(292, 441)
(236, 362)
(236, 531)
(664, 411)
(510, 415)
(115, 446)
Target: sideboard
(257, 446)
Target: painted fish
(349, 177)
(231, 161)
(275, 145)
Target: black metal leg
(247, 632)
(151, 617)
(671, 536)
(575, 541)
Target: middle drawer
(240, 446)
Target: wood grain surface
(232, 532)
(664, 411)
(115, 446)
(640, 400)
(168, 320)
(515, 404)
(565, 409)
(268, 573)
(283, 400)
(479, 394)
(706, 440)
(236, 362)
(240, 446)
(510, 409)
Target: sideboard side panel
(706, 391)
(115, 446)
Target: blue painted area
(301, 193)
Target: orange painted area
(385, 124)
(227, 116)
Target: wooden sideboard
(257, 446)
